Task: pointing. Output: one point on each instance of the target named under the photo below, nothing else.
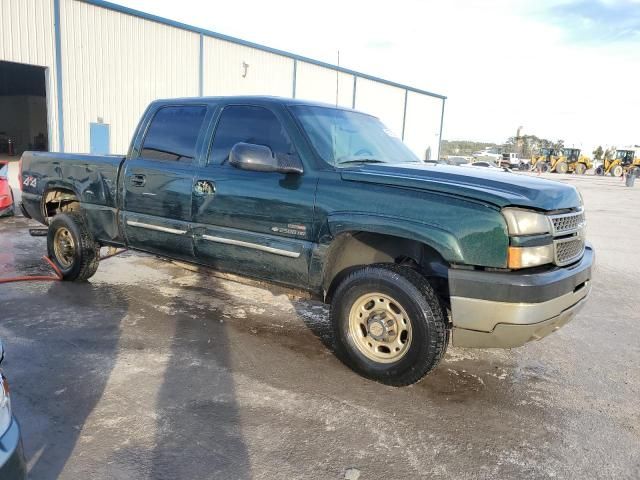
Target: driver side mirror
(258, 158)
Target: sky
(567, 69)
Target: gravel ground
(154, 371)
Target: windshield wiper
(361, 160)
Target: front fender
(461, 232)
(444, 242)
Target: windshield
(4, 169)
(571, 153)
(345, 137)
(624, 155)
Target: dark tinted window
(250, 125)
(173, 134)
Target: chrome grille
(567, 222)
(569, 249)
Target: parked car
(6, 195)
(513, 161)
(12, 462)
(323, 198)
(487, 164)
(492, 154)
(457, 160)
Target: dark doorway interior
(23, 109)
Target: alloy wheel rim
(64, 247)
(380, 327)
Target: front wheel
(71, 247)
(580, 168)
(617, 171)
(562, 167)
(542, 167)
(389, 324)
(599, 170)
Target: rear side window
(249, 124)
(173, 134)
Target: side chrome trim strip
(156, 227)
(255, 246)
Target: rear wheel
(389, 324)
(562, 167)
(580, 168)
(617, 171)
(71, 247)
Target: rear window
(173, 134)
(4, 170)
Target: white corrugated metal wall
(232, 69)
(422, 124)
(322, 84)
(27, 36)
(115, 62)
(113, 65)
(383, 101)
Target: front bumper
(12, 462)
(506, 310)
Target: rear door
(254, 223)
(158, 181)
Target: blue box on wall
(99, 138)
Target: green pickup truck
(410, 256)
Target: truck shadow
(198, 428)
(115, 379)
(62, 341)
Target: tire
(77, 255)
(599, 170)
(543, 167)
(617, 171)
(426, 330)
(580, 168)
(561, 167)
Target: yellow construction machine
(621, 163)
(570, 161)
(545, 159)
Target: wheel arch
(58, 198)
(351, 248)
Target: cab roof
(253, 99)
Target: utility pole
(338, 79)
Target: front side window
(248, 124)
(344, 137)
(173, 134)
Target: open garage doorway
(23, 109)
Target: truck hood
(496, 187)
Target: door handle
(204, 187)
(138, 180)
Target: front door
(254, 223)
(158, 183)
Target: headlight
(5, 405)
(525, 257)
(522, 222)
(525, 222)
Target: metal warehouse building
(75, 76)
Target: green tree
(598, 153)
(609, 153)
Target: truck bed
(93, 179)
